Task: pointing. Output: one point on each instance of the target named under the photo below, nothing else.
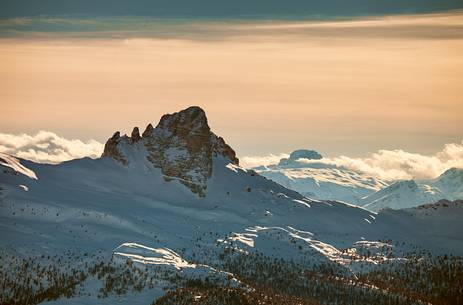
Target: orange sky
(338, 87)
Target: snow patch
(150, 256)
(14, 164)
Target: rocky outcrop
(300, 154)
(111, 149)
(306, 154)
(182, 145)
(148, 130)
(135, 137)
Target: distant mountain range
(319, 180)
(411, 193)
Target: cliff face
(111, 150)
(182, 145)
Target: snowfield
(133, 214)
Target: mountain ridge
(181, 145)
(412, 193)
(134, 233)
(307, 173)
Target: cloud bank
(254, 161)
(48, 147)
(385, 164)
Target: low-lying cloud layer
(48, 147)
(385, 164)
(399, 164)
(254, 161)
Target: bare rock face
(111, 150)
(148, 130)
(182, 146)
(135, 135)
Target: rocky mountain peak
(135, 135)
(300, 154)
(188, 127)
(149, 129)
(192, 120)
(305, 154)
(111, 150)
(182, 145)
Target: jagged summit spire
(148, 130)
(135, 135)
(182, 145)
(189, 125)
(191, 118)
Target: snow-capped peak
(402, 185)
(182, 145)
(306, 172)
(402, 194)
(452, 172)
(450, 182)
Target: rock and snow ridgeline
(132, 211)
(181, 145)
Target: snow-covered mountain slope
(305, 172)
(320, 180)
(402, 195)
(136, 208)
(431, 220)
(449, 183)
(135, 203)
(411, 193)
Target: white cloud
(48, 147)
(253, 161)
(388, 164)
